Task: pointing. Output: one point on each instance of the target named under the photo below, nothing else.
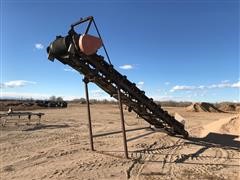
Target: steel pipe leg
(85, 80)
(123, 125)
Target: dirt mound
(232, 126)
(238, 108)
(21, 105)
(223, 126)
(18, 105)
(202, 107)
(227, 107)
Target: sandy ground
(59, 148)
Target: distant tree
(59, 99)
(52, 98)
(93, 101)
(82, 100)
(30, 99)
(104, 101)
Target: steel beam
(123, 124)
(86, 81)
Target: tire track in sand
(158, 147)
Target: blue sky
(178, 50)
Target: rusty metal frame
(123, 124)
(19, 114)
(97, 70)
(86, 81)
(90, 19)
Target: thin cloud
(17, 95)
(99, 95)
(167, 83)
(39, 46)
(236, 85)
(225, 81)
(140, 84)
(212, 86)
(225, 85)
(166, 98)
(163, 98)
(177, 88)
(16, 83)
(126, 67)
(97, 91)
(69, 70)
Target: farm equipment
(80, 52)
(46, 103)
(12, 114)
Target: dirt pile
(22, 105)
(227, 107)
(17, 105)
(223, 126)
(232, 126)
(202, 107)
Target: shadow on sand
(217, 140)
(46, 126)
(212, 140)
(117, 132)
(224, 141)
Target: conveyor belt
(103, 74)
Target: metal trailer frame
(19, 114)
